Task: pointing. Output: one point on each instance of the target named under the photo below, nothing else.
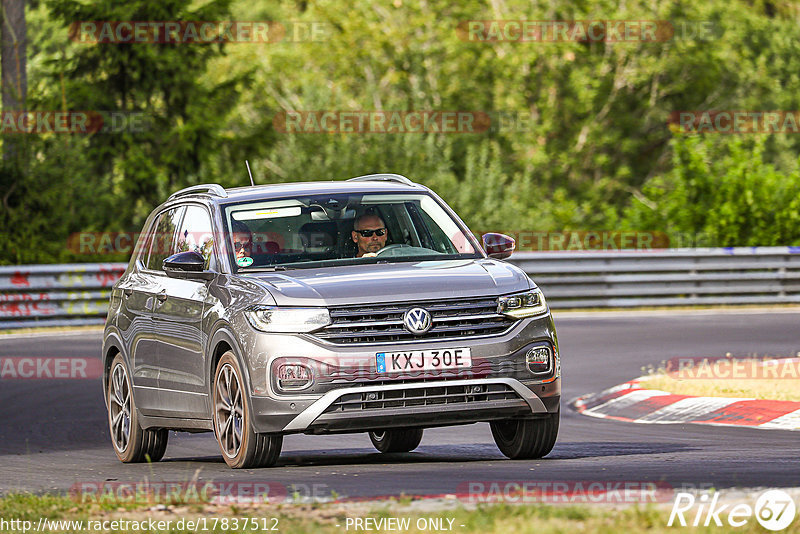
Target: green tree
(110, 181)
(721, 191)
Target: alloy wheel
(229, 411)
(119, 408)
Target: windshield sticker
(246, 261)
(251, 215)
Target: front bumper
(330, 405)
(412, 404)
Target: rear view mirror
(188, 265)
(498, 246)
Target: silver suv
(363, 305)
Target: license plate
(423, 360)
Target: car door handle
(127, 292)
(162, 296)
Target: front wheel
(398, 440)
(526, 438)
(241, 446)
(132, 443)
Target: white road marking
(686, 410)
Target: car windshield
(343, 229)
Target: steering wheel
(391, 247)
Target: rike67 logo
(774, 510)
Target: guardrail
(667, 277)
(56, 295)
(77, 294)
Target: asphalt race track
(53, 433)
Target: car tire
(131, 442)
(240, 445)
(396, 440)
(526, 438)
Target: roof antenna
(250, 173)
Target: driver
(369, 235)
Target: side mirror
(498, 246)
(188, 265)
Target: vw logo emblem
(417, 320)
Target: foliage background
(597, 152)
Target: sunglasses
(368, 233)
(239, 245)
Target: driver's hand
(369, 255)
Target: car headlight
(288, 320)
(522, 305)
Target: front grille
(381, 323)
(404, 398)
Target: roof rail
(382, 178)
(215, 190)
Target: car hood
(391, 282)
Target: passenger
(242, 241)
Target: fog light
(538, 359)
(293, 376)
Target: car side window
(163, 241)
(197, 235)
(142, 250)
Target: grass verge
(335, 517)
(783, 390)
